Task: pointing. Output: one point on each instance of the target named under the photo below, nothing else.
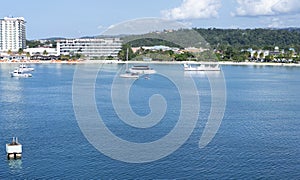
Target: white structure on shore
(42, 51)
(12, 34)
(90, 47)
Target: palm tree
(9, 52)
(272, 57)
(261, 55)
(20, 51)
(27, 55)
(290, 54)
(45, 53)
(123, 53)
(255, 55)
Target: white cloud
(266, 7)
(276, 23)
(255, 7)
(194, 9)
(287, 6)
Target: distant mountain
(292, 29)
(114, 36)
(83, 37)
(87, 37)
(53, 38)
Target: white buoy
(14, 149)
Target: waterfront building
(42, 51)
(12, 34)
(92, 48)
(261, 54)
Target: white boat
(25, 68)
(141, 69)
(202, 67)
(19, 73)
(146, 77)
(14, 149)
(127, 73)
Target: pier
(14, 149)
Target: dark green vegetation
(43, 43)
(264, 39)
(228, 44)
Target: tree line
(228, 43)
(265, 39)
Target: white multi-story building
(12, 34)
(42, 51)
(90, 47)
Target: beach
(147, 62)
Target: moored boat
(25, 68)
(19, 73)
(14, 149)
(128, 73)
(141, 69)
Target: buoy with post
(14, 149)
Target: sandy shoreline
(145, 62)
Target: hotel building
(12, 34)
(95, 48)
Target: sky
(78, 18)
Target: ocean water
(259, 137)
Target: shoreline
(149, 62)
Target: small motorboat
(20, 73)
(25, 68)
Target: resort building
(93, 48)
(12, 34)
(42, 51)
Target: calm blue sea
(259, 137)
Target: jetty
(14, 149)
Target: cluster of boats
(136, 71)
(22, 71)
(133, 72)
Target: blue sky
(76, 18)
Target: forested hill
(261, 38)
(239, 38)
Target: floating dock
(14, 149)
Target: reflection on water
(6, 68)
(11, 92)
(12, 98)
(201, 74)
(10, 87)
(111, 67)
(15, 164)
